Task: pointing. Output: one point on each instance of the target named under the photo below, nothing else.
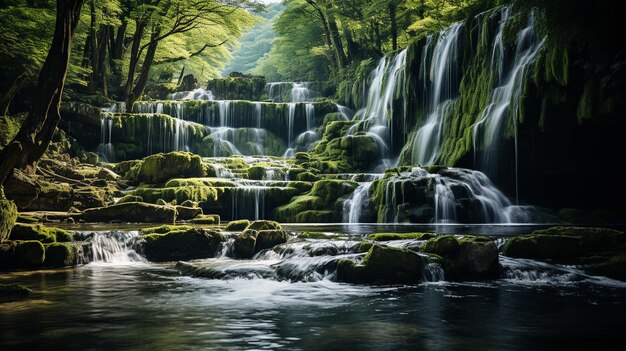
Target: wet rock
(266, 239)
(195, 243)
(234, 226)
(107, 175)
(383, 264)
(27, 254)
(60, 255)
(207, 219)
(245, 244)
(40, 233)
(614, 267)
(186, 213)
(264, 225)
(468, 258)
(130, 198)
(160, 167)
(400, 236)
(133, 212)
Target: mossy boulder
(614, 267)
(129, 198)
(8, 216)
(245, 244)
(164, 229)
(159, 168)
(266, 239)
(239, 225)
(383, 264)
(264, 225)
(207, 219)
(133, 212)
(39, 232)
(189, 203)
(443, 245)
(363, 246)
(186, 213)
(28, 254)
(319, 205)
(542, 246)
(314, 216)
(399, 236)
(195, 243)
(60, 255)
(468, 258)
(307, 177)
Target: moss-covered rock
(383, 264)
(363, 246)
(159, 168)
(245, 244)
(28, 254)
(207, 194)
(133, 212)
(21, 218)
(177, 245)
(39, 232)
(163, 229)
(468, 258)
(614, 267)
(234, 226)
(266, 239)
(444, 245)
(307, 177)
(400, 236)
(207, 219)
(542, 246)
(129, 198)
(186, 213)
(189, 203)
(320, 205)
(8, 216)
(60, 255)
(264, 225)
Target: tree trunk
(8, 97)
(140, 86)
(336, 39)
(134, 60)
(394, 26)
(324, 21)
(34, 136)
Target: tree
(25, 150)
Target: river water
(122, 305)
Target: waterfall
(109, 247)
(502, 111)
(300, 92)
(291, 114)
(378, 114)
(289, 91)
(106, 150)
(248, 201)
(354, 207)
(196, 94)
(440, 70)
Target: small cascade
(377, 116)
(291, 114)
(108, 247)
(451, 195)
(290, 92)
(438, 72)
(359, 202)
(196, 94)
(106, 150)
(500, 117)
(248, 201)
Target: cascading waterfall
(378, 113)
(108, 247)
(439, 76)
(502, 111)
(289, 91)
(248, 201)
(291, 114)
(354, 207)
(106, 150)
(196, 94)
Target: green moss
(9, 125)
(133, 212)
(245, 244)
(28, 254)
(129, 198)
(307, 177)
(266, 239)
(264, 225)
(444, 245)
(39, 232)
(8, 216)
(27, 219)
(234, 226)
(179, 194)
(383, 264)
(614, 267)
(164, 229)
(207, 219)
(315, 216)
(316, 235)
(187, 213)
(363, 246)
(60, 255)
(399, 236)
(541, 246)
(159, 168)
(182, 245)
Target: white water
(289, 92)
(503, 108)
(196, 94)
(106, 150)
(108, 247)
(354, 207)
(440, 70)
